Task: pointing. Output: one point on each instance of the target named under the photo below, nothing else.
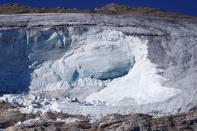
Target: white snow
(98, 64)
(141, 85)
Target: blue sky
(182, 6)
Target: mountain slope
(98, 64)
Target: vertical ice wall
(58, 58)
(84, 61)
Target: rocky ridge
(108, 9)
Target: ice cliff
(133, 63)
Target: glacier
(98, 64)
(141, 85)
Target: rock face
(113, 122)
(108, 9)
(10, 115)
(140, 122)
(146, 123)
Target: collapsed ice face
(32, 59)
(142, 84)
(136, 63)
(82, 62)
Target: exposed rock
(108, 9)
(140, 122)
(53, 121)
(10, 115)
(123, 9)
(52, 127)
(120, 122)
(19, 9)
(55, 116)
(114, 122)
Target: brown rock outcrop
(117, 122)
(10, 116)
(141, 122)
(108, 9)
